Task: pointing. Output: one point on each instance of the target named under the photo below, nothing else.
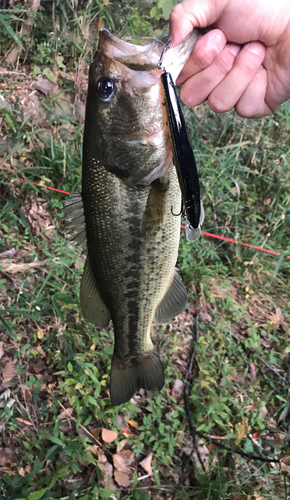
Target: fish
(123, 217)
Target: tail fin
(127, 377)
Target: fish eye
(105, 88)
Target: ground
(60, 436)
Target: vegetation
(60, 438)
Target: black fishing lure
(183, 158)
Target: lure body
(184, 160)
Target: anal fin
(174, 301)
(93, 307)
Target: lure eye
(105, 88)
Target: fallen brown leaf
(122, 479)
(1, 350)
(94, 449)
(285, 462)
(121, 445)
(95, 431)
(21, 471)
(8, 371)
(109, 436)
(10, 267)
(106, 468)
(41, 351)
(6, 457)
(263, 412)
(25, 392)
(66, 413)
(123, 460)
(146, 464)
(39, 367)
(276, 318)
(178, 386)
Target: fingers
(252, 103)
(197, 89)
(228, 92)
(206, 49)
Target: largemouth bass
(124, 215)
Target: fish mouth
(146, 57)
(143, 57)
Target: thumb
(193, 14)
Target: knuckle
(246, 110)
(250, 58)
(176, 12)
(218, 104)
(224, 62)
(203, 58)
(247, 65)
(186, 97)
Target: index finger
(193, 14)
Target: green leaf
(49, 75)
(52, 451)
(59, 61)
(37, 494)
(56, 440)
(36, 71)
(8, 329)
(106, 493)
(280, 262)
(10, 31)
(166, 6)
(9, 118)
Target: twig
(243, 454)
(186, 396)
(7, 72)
(192, 429)
(84, 429)
(182, 475)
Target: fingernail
(217, 39)
(234, 48)
(255, 48)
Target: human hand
(244, 62)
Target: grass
(56, 403)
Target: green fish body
(130, 192)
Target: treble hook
(166, 46)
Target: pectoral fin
(75, 219)
(174, 301)
(93, 307)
